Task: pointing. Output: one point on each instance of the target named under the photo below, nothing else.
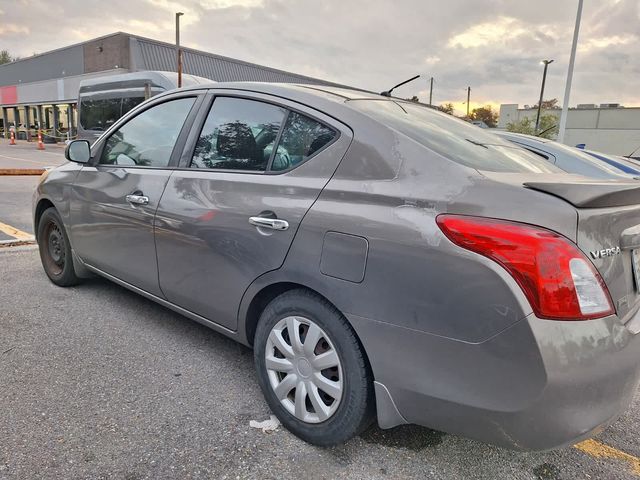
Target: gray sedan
(385, 261)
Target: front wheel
(312, 369)
(55, 250)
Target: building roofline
(73, 45)
(185, 49)
(233, 60)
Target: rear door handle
(272, 223)
(137, 199)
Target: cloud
(605, 42)
(488, 33)
(494, 46)
(12, 29)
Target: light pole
(567, 89)
(431, 91)
(468, 99)
(544, 79)
(178, 51)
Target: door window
(147, 140)
(302, 137)
(238, 134)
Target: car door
(230, 213)
(114, 198)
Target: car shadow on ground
(409, 437)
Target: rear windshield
(452, 138)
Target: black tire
(55, 249)
(355, 411)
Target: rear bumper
(537, 385)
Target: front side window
(148, 139)
(239, 134)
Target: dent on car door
(250, 174)
(114, 199)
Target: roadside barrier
(44, 136)
(64, 136)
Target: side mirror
(78, 151)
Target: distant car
(628, 165)
(570, 159)
(383, 259)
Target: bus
(102, 101)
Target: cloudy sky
(494, 46)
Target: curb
(16, 243)
(21, 171)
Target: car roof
(291, 90)
(331, 101)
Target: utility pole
(544, 79)
(178, 51)
(468, 99)
(431, 91)
(572, 61)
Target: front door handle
(137, 199)
(272, 223)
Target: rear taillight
(559, 281)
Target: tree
(486, 115)
(548, 104)
(446, 108)
(414, 99)
(6, 57)
(548, 126)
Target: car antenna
(387, 93)
(631, 154)
(545, 131)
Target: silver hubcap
(304, 369)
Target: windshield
(452, 138)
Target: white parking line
(21, 159)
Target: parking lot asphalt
(15, 191)
(97, 382)
(15, 201)
(26, 155)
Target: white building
(609, 128)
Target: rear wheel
(312, 370)
(55, 250)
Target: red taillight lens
(557, 278)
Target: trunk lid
(608, 232)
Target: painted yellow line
(600, 450)
(14, 232)
(21, 171)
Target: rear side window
(239, 134)
(452, 138)
(302, 137)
